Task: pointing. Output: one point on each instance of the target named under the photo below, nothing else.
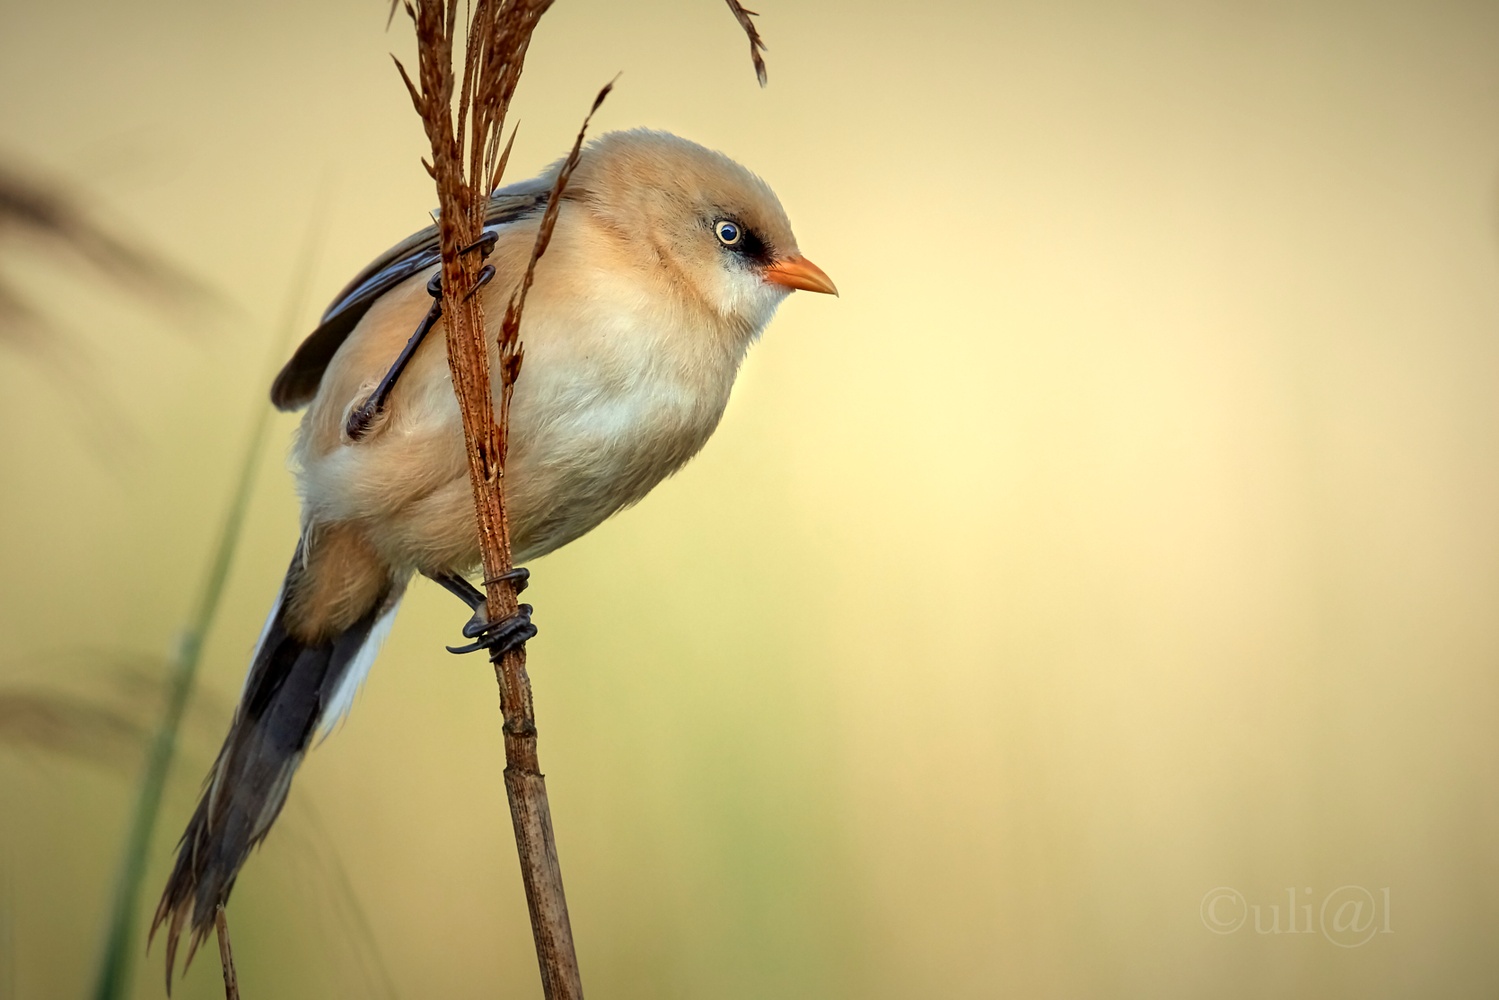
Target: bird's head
(698, 220)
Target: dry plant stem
(757, 44)
(498, 34)
(226, 955)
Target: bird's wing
(298, 380)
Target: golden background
(1128, 529)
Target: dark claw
(519, 576)
(480, 280)
(484, 244)
(434, 284)
(477, 625)
(498, 637)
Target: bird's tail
(317, 646)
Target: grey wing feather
(298, 380)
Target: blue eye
(728, 232)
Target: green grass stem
(113, 981)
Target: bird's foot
(498, 637)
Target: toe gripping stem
(498, 637)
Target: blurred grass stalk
(113, 981)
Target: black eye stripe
(748, 242)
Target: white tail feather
(358, 669)
(265, 630)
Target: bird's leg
(361, 418)
(498, 637)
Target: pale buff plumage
(633, 333)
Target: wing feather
(298, 380)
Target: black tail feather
(287, 694)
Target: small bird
(667, 261)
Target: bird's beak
(799, 272)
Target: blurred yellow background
(1127, 531)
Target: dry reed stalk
(499, 32)
(498, 35)
(757, 44)
(226, 954)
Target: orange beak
(799, 272)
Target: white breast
(611, 400)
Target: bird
(667, 262)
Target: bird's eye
(729, 233)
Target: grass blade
(113, 979)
